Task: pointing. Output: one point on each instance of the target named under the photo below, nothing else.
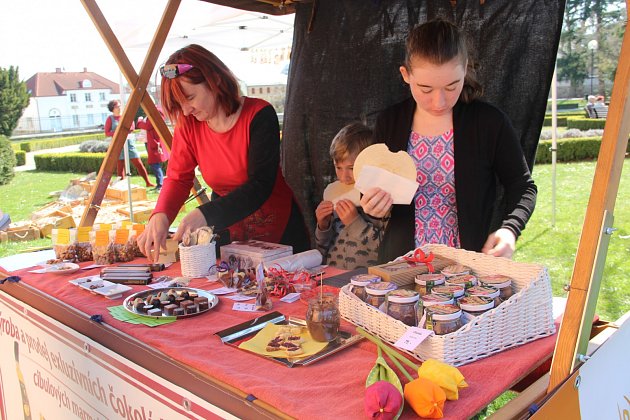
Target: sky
(42, 35)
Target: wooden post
(575, 327)
(138, 96)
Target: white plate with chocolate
(102, 287)
(180, 302)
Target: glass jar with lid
(443, 319)
(487, 291)
(403, 305)
(376, 292)
(466, 280)
(473, 306)
(323, 317)
(501, 282)
(359, 282)
(436, 299)
(456, 270)
(453, 290)
(426, 282)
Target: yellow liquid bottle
(25, 405)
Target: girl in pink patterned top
(461, 146)
(435, 201)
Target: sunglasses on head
(171, 71)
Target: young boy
(346, 237)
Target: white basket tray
(198, 260)
(525, 316)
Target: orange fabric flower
(426, 398)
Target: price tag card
(244, 307)
(412, 338)
(290, 298)
(223, 290)
(238, 298)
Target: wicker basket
(198, 260)
(526, 316)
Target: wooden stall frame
(587, 271)
(138, 97)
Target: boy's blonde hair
(349, 141)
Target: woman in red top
(235, 141)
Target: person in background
(110, 128)
(157, 154)
(345, 236)
(599, 102)
(235, 141)
(460, 146)
(590, 104)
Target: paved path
(30, 160)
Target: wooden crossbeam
(138, 97)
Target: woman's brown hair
(440, 41)
(207, 68)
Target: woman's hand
(500, 243)
(323, 214)
(191, 222)
(154, 236)
(346, 211)
(377, 202)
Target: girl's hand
(154, 237)
(191, 222)
(323, 214)
(500, 243)
(377, 202)
(347, 211)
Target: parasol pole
(554, 142)
(126, 151)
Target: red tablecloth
(332, 387)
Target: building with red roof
(66, 101)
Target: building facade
(66, 101)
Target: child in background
(345, 236)
(156, 152)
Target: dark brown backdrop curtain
(346, 69)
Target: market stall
(185, 361)
(222, 379)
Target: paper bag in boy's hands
(395, 173)
(336, 191)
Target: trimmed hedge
(76, 162)
(20, 157)
(583, 123)
(562, 118)
(567, 104)
(7, 161)
(32, 145)
(570, 150)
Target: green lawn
(555, 246)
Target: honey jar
(487, 291)
(473, 306)
(376, 292)
(436, 299)
(501, 282)
(403, 305)
(453, 290)
(359, 282)
(466, 280)
(456, 270)
(443, 319)
(426, 282)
